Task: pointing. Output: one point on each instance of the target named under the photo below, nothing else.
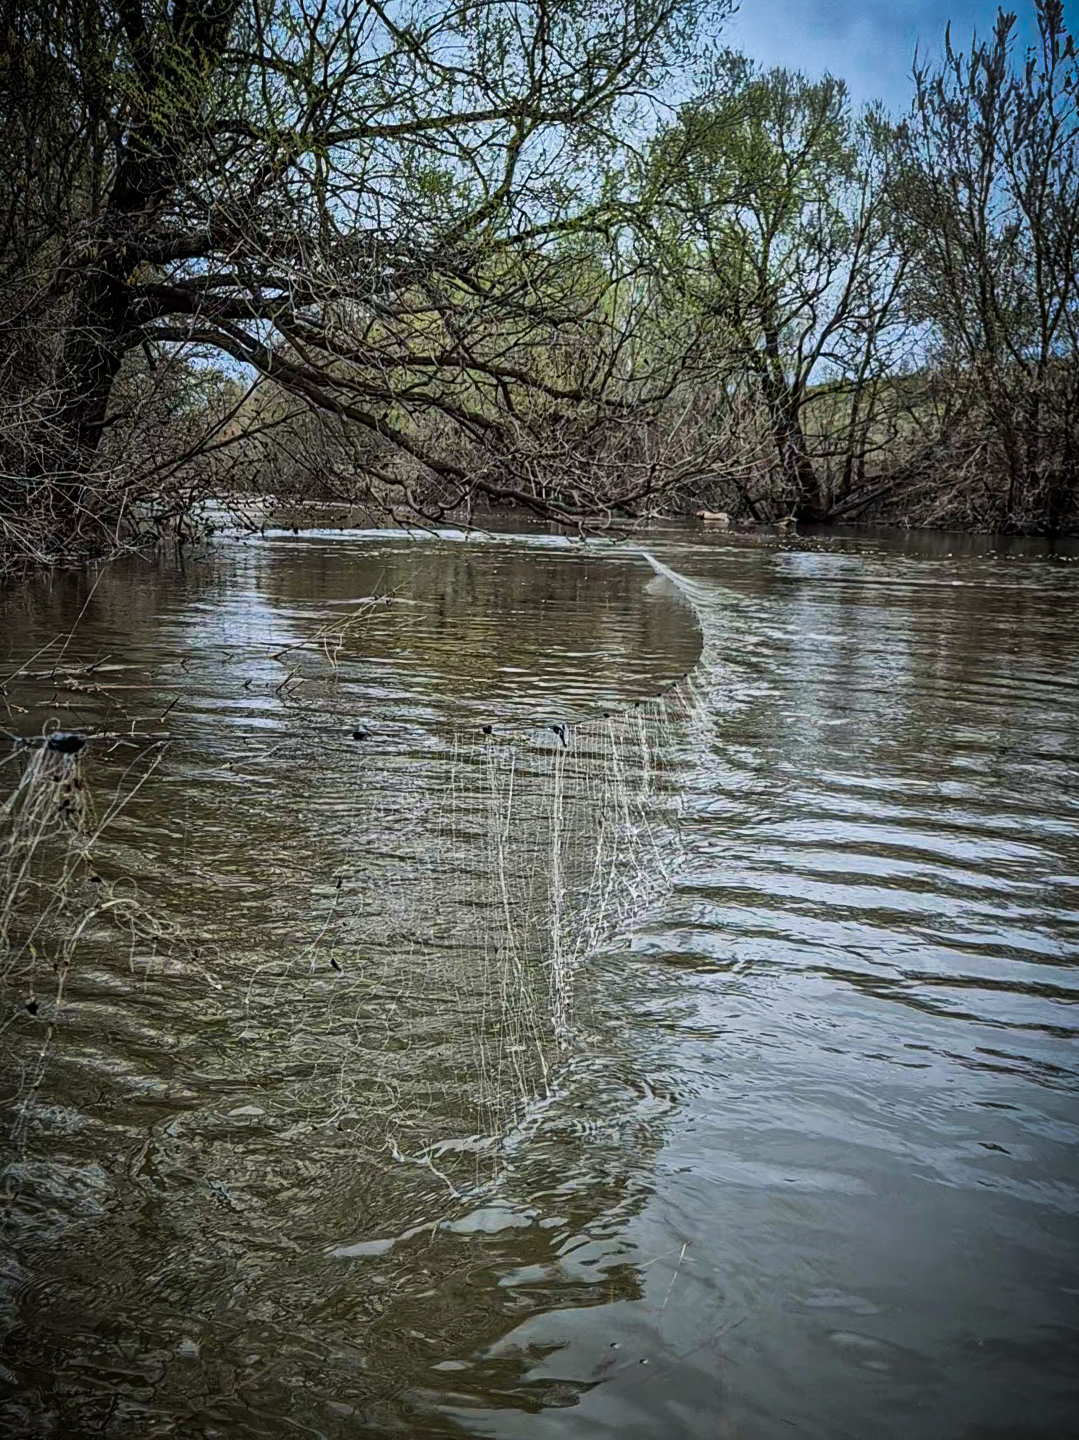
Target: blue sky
(870, 45)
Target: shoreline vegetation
(578, 260)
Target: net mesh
(436, 995)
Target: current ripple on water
(806, 1156)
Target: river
(800, 1157)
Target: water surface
(807, 1163)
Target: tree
(379, 207)
(775, 196)
(987, 193)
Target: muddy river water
(802, 1157)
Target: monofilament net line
(553, 839)
(518, 851)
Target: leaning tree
(401, 216)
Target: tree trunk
(173, 86)
(92, 355)
(783, 400)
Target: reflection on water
(808, 1163)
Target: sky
(870, 44)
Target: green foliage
(773, 208)
(479, 251)
(373, 207)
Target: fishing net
(437, 993)
(521, 849)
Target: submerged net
(524, 849)
(521, 850)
